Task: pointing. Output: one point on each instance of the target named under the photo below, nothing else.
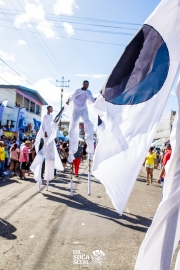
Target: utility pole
(63, 84)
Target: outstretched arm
(90, 97)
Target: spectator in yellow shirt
(149, 164)
(2, 158)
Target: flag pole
(71, 177)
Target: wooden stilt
(89, 178)
(71, 177)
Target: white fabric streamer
(164, 234)
(48, 152)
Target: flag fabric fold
(164, 234)
(46, 149)
(132, 101)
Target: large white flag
(164, 234)
(132, 101)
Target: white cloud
(2, 3)
(46, 28)
(6, 56)
(65, 7)
(51, 93)
(68, 28)
(3, 67)
(12, 79)
(91, 75)
(35, 13)
(21, 42)
(47, 88)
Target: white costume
(79, 99)
(48, 151)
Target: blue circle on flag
(141, 70)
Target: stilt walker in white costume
(46, 150)
(79, 99)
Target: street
(52, 231)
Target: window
(32, 107)
(38, 110)
(26, 104)
(18, 102)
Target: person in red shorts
(165, 160)
(77, 160)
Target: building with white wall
(18, 97)
(165, 125)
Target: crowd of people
(16, 157)
(157, 159)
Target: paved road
(48, 230)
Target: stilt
(71, 184)
(47, 185)
(71, 177)
(39, 187)
(89, 178)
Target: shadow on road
(136, 222)
(7, 230)
(6, 181)
(79, 202)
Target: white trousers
(74, 133)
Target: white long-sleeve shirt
(80, 97)
(46, 123)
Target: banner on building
(20, 117)
(37, 124)
(2, 108)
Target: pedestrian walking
(77, 160)
(84, 151)
(64, 153)
(166, 157)
(14, 159)
(24, 159)
(149, 164)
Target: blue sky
(37, 39)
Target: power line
(5, 80)
(84, 18)
(17, 64)
(31, 48)
(92, 30)
(97, 25)
(78, 39)
(43, 42)
(89, 24)
(14, 71)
